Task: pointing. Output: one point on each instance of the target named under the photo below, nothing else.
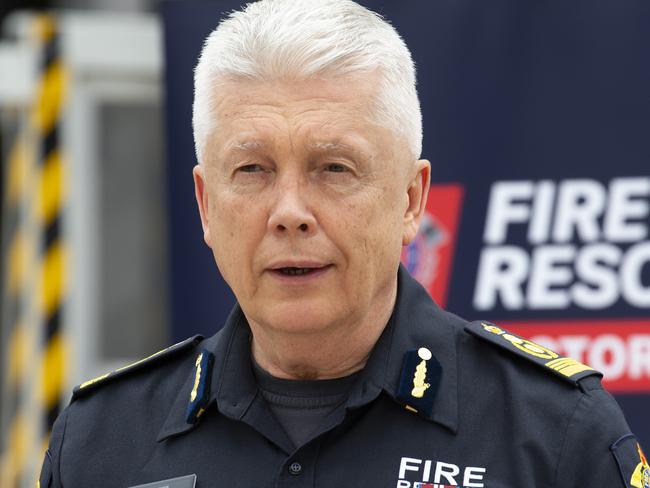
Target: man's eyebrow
(358, 151)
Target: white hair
(280, 39)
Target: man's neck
(333, 353)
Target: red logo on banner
(429, 257)
(620, 349)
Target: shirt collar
(416, 322)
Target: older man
(335, 369)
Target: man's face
(306, 202)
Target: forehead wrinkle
(246, 145)
(329, 147)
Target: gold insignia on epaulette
(154, 358)
(197, 378)
(529, 347)
(418, 381)
(568, 366)
(419, 386)
(93, 381)
(492, 328)
(200, 394)
(142, 360)
(106, 375)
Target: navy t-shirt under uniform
(302, 406)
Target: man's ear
(202, 200)
(417, 193)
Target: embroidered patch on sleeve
(632, 462)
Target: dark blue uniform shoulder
(158, 358)
(563, 367)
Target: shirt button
(295, 468)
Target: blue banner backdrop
(536, 118)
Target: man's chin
(301, 318)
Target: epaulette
(149, 361)
(419, 381)
(566, 368)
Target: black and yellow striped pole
(37, 338)
(47, 121)
(18, 330)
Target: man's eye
(336, 168)
(250, 168)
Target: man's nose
(291, 214)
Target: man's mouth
(297, 271)
(308, 269)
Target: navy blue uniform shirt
(440, 403)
